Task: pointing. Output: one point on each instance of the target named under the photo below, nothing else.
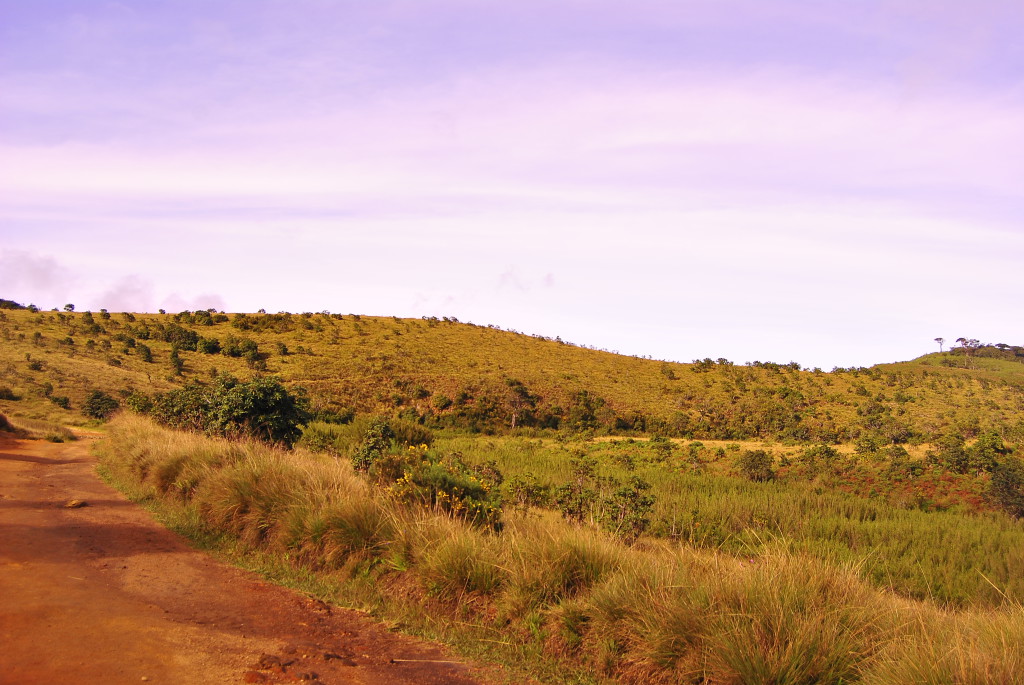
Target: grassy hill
(445, 373)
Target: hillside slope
(445, 373)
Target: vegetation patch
(565, 592)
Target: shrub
(1007, 486)
(376, 442)
(756, 465)
(176, 362)
(7, 394)
(411, 433)
(61, 401)
(208, 346)
(627, 512)
(182, 338)
(261, 408)
(138, 402)
(100, 405)
(239, 347)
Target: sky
(832, 183)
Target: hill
(443, 373)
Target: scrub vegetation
(593, 515)
(562, 600)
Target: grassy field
(565, 602)
(901, 543)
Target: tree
(940, 341)
(969, 346)
(521, 402)
(69, 307)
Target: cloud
(130, 294)
(176, 303)
(782, 166)
(29, 276)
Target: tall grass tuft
(788, 619)
(550, 561)
(456, 559)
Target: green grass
(949, 556)
(560, 602)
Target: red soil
(103, 594)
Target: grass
(559, 602)
(37, 429)
(953, 556)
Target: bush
(100, 405)
(61, 401)
(261, 408)
(208, 346)
(7, 394)
(756, 465)
(182, 338)
(1007, 486)
(138, 402)
(442, 483)
(376, 442)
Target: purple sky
(835, 183)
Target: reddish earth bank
(101, 593)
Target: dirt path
(103, 594)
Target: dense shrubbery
(100, 405)
(413, 474)
(756, 465)
(621, 509)
(261, 408)
(182, 338)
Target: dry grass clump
(550, 561)
(37, 429)
(6, 426)
(966, 648)
(654, 612)
(455, 559)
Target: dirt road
(103, 594)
